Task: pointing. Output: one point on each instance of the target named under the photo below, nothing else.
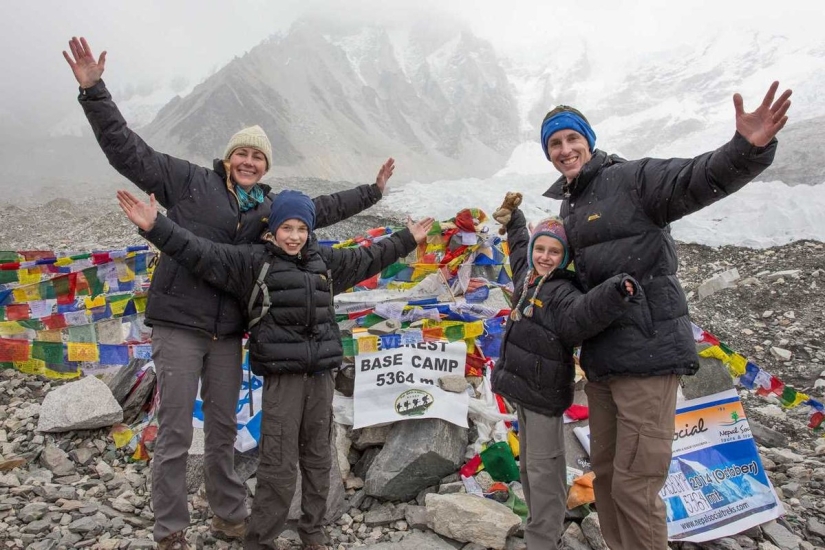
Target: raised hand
(760, 126)
(86, 69)
(385, 173)
(420, 228)
(139, 213)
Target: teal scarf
(250, 199)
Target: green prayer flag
(350, 347)
(8, 276)
(49, 352)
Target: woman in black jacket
(536, 370)
(196, 328)
(288, 282)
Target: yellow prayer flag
(97, 301)
(512, 439)
(11, 328)
(32, 366)
(28, 276)
(737, 364)
(715, 352)
(28, 293)
(83, 351)
(49, 336)
(368, 344)
(63, 262)
(124, 272)
(140, 304)
(62, 375)
(118, 307)
(799, 399)
(474, 329)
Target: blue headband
(566, 120)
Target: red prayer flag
(13, 350)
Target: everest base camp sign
(402, 383)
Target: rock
(780, 536)
(366, 459)
(782, 274)
(385, 515)
(134, 404)
(104, 471)
(123, 381)
(418, 453)
(712, 377)
(455, 383)
(12, 463)
(468, 518)
(83, 456)
(416, 541)
(33, 511)
(815, 527)
(723, 280)
(767, 436)
(416, 516)
(781, 354)
(57, 461)
(593, 532)
(342, 447)
(194, 461)
(573, 538)
(82, 405)
(370, 436)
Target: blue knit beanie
(566, 118)
(550, 227)
(291, 205)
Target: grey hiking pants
(543, 476)
(182, 358)
(296, 428)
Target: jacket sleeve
(350, 266)
(517, 240)
(331, 209)
(225, 266)
(165, 176)
(673, 188)
(578, 316)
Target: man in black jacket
(196, 328)
(616, 214)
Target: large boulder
(470, 518)
(85, 404)
(418, 454)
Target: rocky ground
(75, 490)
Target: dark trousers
(182, 358)
(543, 477)
(631, 439)
(295, 429)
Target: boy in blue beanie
(294, 342)
(536, 370)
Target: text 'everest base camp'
(427, 447)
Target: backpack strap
(260, 286)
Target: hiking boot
(175, 541)
(226, 530)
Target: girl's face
(548, 254)
(291, 236)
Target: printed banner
(402, 383)
(716, 486)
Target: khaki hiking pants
(631, 438)
(182, 358)
(295, 429)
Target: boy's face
(291, 236)
(548, 254)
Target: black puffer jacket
(199, 200)
(617, 214)
(536, 366)
(298, 335)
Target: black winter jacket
(201, 201)
(298, 335)
(536, 367)
(616, 215)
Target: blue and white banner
(249, 419)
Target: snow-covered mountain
(336, 102)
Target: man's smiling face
(569, 152)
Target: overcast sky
(154, 41)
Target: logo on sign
(413, 403)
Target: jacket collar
(561, 189)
